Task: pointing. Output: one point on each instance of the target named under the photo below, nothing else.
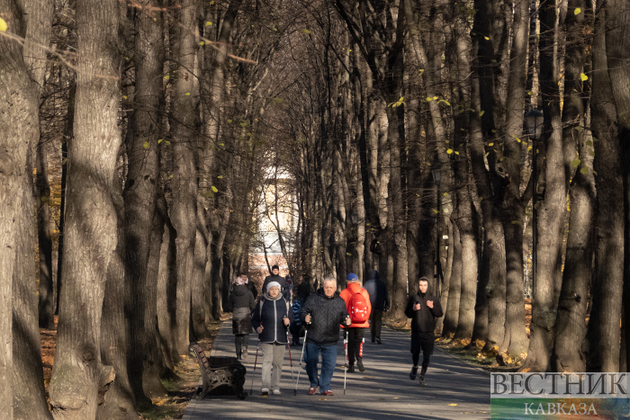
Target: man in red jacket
(358, 306)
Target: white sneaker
(265, 391)
(277, 392)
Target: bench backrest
(197, 350)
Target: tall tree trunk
(140, 195)
(416, 180)
(463, 221)
(470, 267)
(38, 38)
(20, 128)
(490, 42)
(451, 314)
(44, 227)
(115, 337)
(618, 46)
(183, 121)
(213, 80)
(515, 340)
(29, 400)
(552, 210)
(79, 378)
(155, 365)
(570, 327)
(167, 287)
(198, 284)
(603, 332)
(69, 134)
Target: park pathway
(454, 390)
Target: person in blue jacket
(270, 318)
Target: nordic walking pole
(255, 361)
(290, 359)
(251, 389)
(301, 358)
(345, 370)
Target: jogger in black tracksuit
(422, 308)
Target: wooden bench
(219, 374)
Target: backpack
(358, 309)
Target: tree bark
(155, 366)
(183, 122)
(38, 31)
(618, 43)
(140, 196)
(515, 340)
(166, 287)
(451, 315)
(20, 128)
(603, 333)
(29, 399)
(79, 378)
(570, 327)
(115, 336)
(69, 134)
(490, 41)
(44, 226)
(552, 210)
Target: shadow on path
(454, 389)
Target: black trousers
(376, 323)
(424, 342)
(355, 344)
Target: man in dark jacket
(324, 311)
(379, 298)
(275, 276)
(422, 308)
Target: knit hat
(273, 284)
(275, 267)
(352, 277)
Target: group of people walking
(323, 314)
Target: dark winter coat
(423, 321)
(241, 302)
(377, 289)
(327, 313)
(270, 312)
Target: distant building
(266, 241)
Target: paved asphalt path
(453, 390)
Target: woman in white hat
(270, 318)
